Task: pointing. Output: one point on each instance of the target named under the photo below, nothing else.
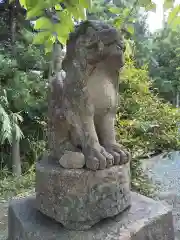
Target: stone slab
(79, 198)
(146, 219)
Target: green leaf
(173, 14)
(86, 3)
(126, 12)
(82, 13)
(66, 22)
(128, 48)
(130, 29)
(16, 117)
(77, 11)
(43, 23)
(144, 3)
(73, 11)
(168, 4)
(34, 12)
(41, 37)
(6, 128)
(115, 10)
(52, 39)
(62, 39)
(49, 44)
(23, 3)
(175, 23)
(61, 29)
(30, 4)
(118, 22)
(150, 7)
(58, 7)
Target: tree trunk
(177, 100)
(163, 17)
(16, 159)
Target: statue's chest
(102, 92)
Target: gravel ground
(165, 174)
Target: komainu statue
(83, 105)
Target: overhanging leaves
(75, 9)
(34, 12)
(43, 23)
(173, 14)
(41, 37)
(168, 4)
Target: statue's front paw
(98, 159)
(121, 156)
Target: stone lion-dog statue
(82, 106)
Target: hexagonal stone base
(145, 220)
(79, 198)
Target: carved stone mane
(89, 43)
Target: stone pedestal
(79, 198)
(146, 219)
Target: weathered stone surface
(79, 198)
(72, 160)
(83, 104)
(145, 220)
